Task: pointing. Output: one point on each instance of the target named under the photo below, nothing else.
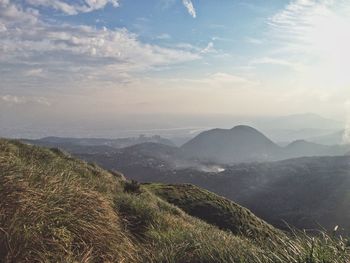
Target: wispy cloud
(208, 49)
(222, 77)
(254, 41)
(313, 26)
(163, 36)
(280, 62)
(190, 8)
(36, 72)
(13, 100)
(70, 9)
(220, 80)
(77, 51)
(311, 37)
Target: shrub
(132, 187)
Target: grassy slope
(216, 210)
(54, 208)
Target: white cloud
(71, 9)
(254, 41)
(190, 8)
(37, 72)
(313, 36)
(3, 28)
(76, 51)
(225, 77)
(208, 49)
(280, 62)
(313, 26)
(163, 36)
(13, 100)
(220, 80)
(16, 14)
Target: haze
(98, 68)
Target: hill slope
(305, 192)
(55, 208)
(215, 210)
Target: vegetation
(54, 208)
(216, 210)
(132, 187)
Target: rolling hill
(55, 208)
(307, 192)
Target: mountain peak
(241, 143)
(244, 128)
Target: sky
(69, 63)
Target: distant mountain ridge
(246, 144)
(217, 146)
(285, 129)
(114, 143)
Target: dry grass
(57, 209)
(48, 214)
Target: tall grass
(54, 208)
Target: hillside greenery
(54, 208)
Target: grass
(54, 208)
(216, 210)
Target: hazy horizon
(111, 68)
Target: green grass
(54, 208)
(216, 210)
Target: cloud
(74, 53)
(312, 37)
(16, 14)
(163, 36)
(313, 26)
(208, 49)
(3, 28)
(37, 72)
(254, 41)
(71, 9)
(220, 79)
(13, 100)
(280, 62)
(190, 8)
(225, 78)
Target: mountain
(55, 208)
(239, 144)
(304, 148)
(246, 144)
(114, 143)
(217, 146)
(285, 129)
(307, 148)
(329, 138)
